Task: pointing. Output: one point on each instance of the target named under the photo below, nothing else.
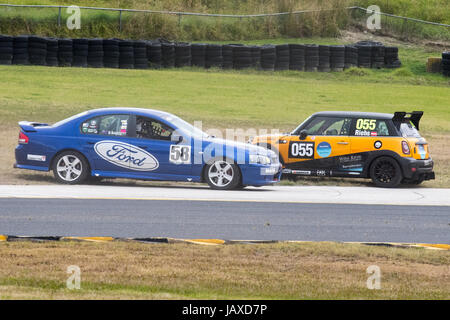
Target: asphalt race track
(414, 215)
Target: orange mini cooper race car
(384, 147)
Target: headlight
(260, 159)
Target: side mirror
(177, 138)
(303, 134)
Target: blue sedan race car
(141, 144)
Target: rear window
(408, 130)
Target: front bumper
(415, 169)
(260, 175)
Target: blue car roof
(142, 111)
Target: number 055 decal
(301, 150)
(180, 154)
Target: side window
(370, 128)
(148, 128)
(329, 126)
(110, 125)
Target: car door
(369, 135)
(155, 137)
(103, 140)
(317, 154)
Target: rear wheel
(70, 167)
(223, 175)
(385, 172)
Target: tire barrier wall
(161, 53)
(446, 63)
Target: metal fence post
(179, 20)
(59, 17)
(120, 20)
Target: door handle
(142, 147)
(90, 142)
(343, 142)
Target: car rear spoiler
(28, 126)
(401, 117)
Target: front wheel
(223, 175)
(70, 167)
(385, 172)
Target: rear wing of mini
(401, 117)
(28, 126)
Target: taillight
(23, 138)
(405, 147)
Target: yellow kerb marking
(436, 246)
(206, 241)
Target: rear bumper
(415, 169)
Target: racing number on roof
(301, 150)
(180, 154)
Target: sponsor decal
(377, 144)
(35, 157)
(126, 155)
(302, 172)
(422, 151)
(362, 133)
(324, 149)
(352, 158)
(301, 150)
(321, 172)
(180, 154)
(374, 134)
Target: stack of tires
(378, 55)
(364, 55)
(324, 59)
(296, 57)
(51, 58)
(337, 58)
(198, 54)
(256, 56)
(227, 56)
(37, 50)
(213, 56)
(183, 54)
(20, 50)
(95, 53)
(351, 57)
(446, 63)
(242, 57)
(65, 52)
(154, 54)
(391, 59)
(268, 57)
(80, 52)
(168, 54)
(111, 53)
(6, 50)
(140, 55)
(311, 57)
(126, 54)
(282, 57)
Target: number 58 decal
(180, 154)
(301, 150)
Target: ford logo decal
(126, 155)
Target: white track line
(286, 194)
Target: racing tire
(70, 167)
(386, 172)
(223, 175)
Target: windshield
(408, 130)
(60, 123)
(185, 126)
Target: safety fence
(140, 54)
(122, 18)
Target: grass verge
(181, 271)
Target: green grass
(121, 270)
